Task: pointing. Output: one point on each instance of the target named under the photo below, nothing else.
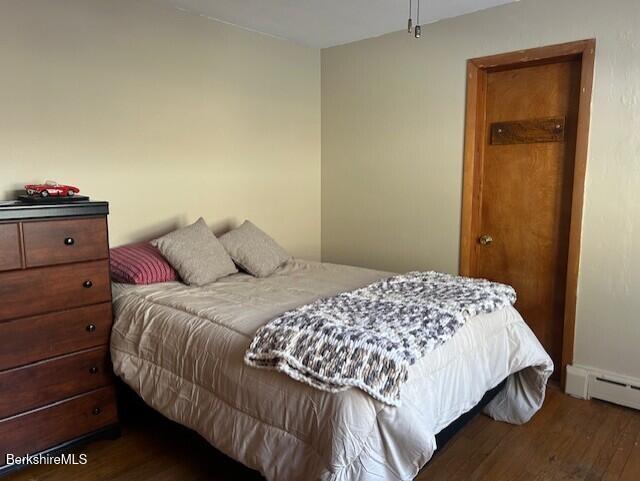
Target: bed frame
(447, 433)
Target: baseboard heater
(587, 383)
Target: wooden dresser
(56, 384)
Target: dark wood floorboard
(567, 440)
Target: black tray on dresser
(13, 209)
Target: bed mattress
(181, 349)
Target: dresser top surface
(18, 210)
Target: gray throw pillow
(253, 250)
(196, 254)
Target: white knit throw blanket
(368, 338)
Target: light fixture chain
(417, 30)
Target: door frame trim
(477, 69)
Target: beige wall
(392, 140)
(165, 114)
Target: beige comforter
(181, 348)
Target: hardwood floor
(567, 440)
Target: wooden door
(531, 116)
(526, 138)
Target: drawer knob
(87, 284)
(69, 241)
(96, 411)
(93, 370)
(91, 328)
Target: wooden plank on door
(528, 131)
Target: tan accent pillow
(196, 254)
(253, 250)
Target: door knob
(485, 240)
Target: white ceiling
(325, 23)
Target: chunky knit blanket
(368, 338)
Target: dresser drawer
(35, 291)
(31, 339)
(63, 241)
(37, 430)
(10, 257)
(46, 382)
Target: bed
(181, 350)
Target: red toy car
(51, 188)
